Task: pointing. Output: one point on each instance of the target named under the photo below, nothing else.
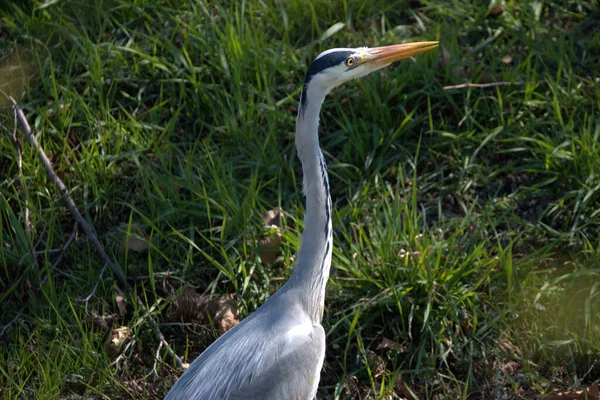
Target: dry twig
(62, 189)
(12, 321)
(89, 296)
(483, 85)
(156, 359)
(22, 120)
(62, 249)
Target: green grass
(465, 224)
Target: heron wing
(290, 369)
(274, 354)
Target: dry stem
(483, 85)
(20, 117)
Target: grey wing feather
(294, 376)
(272, 354)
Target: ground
(467, 255)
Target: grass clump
(466, 245)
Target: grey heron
(277, 352)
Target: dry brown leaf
(199, 308)
(269, 245)
(118, 337)
(562, 396)
(388, 344)
(51, 111)
(507, 59)
(377, 363)
(594, 390)
(190, 307)
(121, 304)
(132, 241)
(591, 393)
(272, 217)
(401, 387)
(224, 314)
(496, 11)
(104, 321)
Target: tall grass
(466, 252)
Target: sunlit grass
(465, 223)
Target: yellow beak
(390, 54)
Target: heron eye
(350, 62)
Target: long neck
(314, 257)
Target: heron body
(277, 352)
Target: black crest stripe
(321, 64)
(326, 185)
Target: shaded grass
(465, 223)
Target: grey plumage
(277, 352)
(278, 361)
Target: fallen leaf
(594, 390)
(377, 363)
(131, 239)
(190, 307)
(51, 111)
(272, 217)
(563, 396)
(496, 11)
(507, 59)
(195, 307)
(401, 387)
(591, 393)
(118, 337)
(121, 304)
(225, 315)
(104, 321)
(388, 344)
(269, 245)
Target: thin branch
(20, 116)
(71, 238)
(65, 246)
(157, 331)
(483, 85)
(34, 253)
(12, 321)
(62, 189)
(60, 250)
(87, 299)
(157, 359)
(164, 275)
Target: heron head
(336, 66)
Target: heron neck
(314, 256)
